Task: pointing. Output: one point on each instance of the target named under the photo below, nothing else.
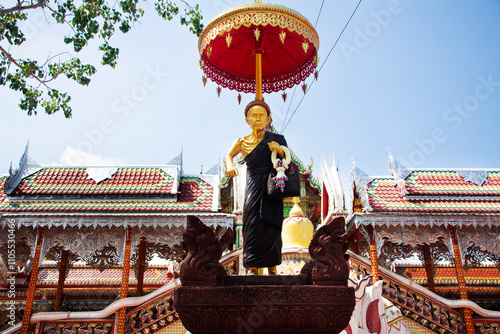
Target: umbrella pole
(258, 75)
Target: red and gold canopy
(286, 42)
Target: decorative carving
(265, 309)
(424, 311)
(118, 221)
(427, 312)
(475, 255)
(485, 238)
(55, 255)
(23, 259)
(439, 253)
(487, 327)
(85, 241)
(411, 235)
(201, 265)
(360, 182)
(327, 249)
(151, 317)
(25, 249)
(392, 252)
(78, 328)
(102, 259)
(160, 235)
(364, 248)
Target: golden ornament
(257, 33)
(282, 36)
(305, 46)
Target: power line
(338, 38)
(319, 13)
(289, 105)
(291, 100)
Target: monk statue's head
(258, 114)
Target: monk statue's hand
(275, 147)
(231, 171)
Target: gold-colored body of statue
(258, 117)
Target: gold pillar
(125, 280)
(429, 268)
(258, 74)
(140, 269)
(30, 296)
(373, 254)
(62, 277)
(469, 324)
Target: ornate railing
(150, 313)
(146, 314)
(426, 308)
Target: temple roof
(78, 181)
(119, 189)
(452, 182)
(93, 277)
(428, 191)
(480, 280)
(444, 193)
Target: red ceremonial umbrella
(258, 47)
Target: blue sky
(422, 77)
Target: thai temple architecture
(97, 250)
(102, 245)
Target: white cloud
(74, 157)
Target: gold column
(373, 254)
(62, 277)
(30, 296)
(429, 268)
(140, 269)
(125, 280)
(469, 324)
(258, 74)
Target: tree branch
(19, 7)
(13, 61)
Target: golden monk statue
(262, 216)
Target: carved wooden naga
(327, 249)
(201, 266)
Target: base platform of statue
(316, 301)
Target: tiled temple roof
(448, 276)
(450, 182)
(385, 196)
(76, 181)
(93, 277)
(128, 190)
(432, 192)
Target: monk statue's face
(257, 117)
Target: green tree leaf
(89, 20)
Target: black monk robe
(262, 216)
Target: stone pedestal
(316, 301)
(272, 304)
